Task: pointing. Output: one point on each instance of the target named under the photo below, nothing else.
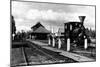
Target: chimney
(82, 19)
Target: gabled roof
(36, 26)
(41, 30)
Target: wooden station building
(39, 32)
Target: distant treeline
(91, 33)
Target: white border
(5, 32)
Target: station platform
(71, 55)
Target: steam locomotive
(76, 32)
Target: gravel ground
(35, 56)
(17, 57)
(90, 52)
(54, 57)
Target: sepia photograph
(45, 33)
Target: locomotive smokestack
(82, 19)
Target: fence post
(49, 41)
(68, 44)
(53, 41)
(59, 43)
(85, 43)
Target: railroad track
(38, 49)
(44, 53)
(25, 57)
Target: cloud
(35, 14)
(46, 15)
(25, 28)
(50, 17)
(56, 17)
(27, 14)
(43, 14)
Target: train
(76, 31)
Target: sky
(27, 14)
